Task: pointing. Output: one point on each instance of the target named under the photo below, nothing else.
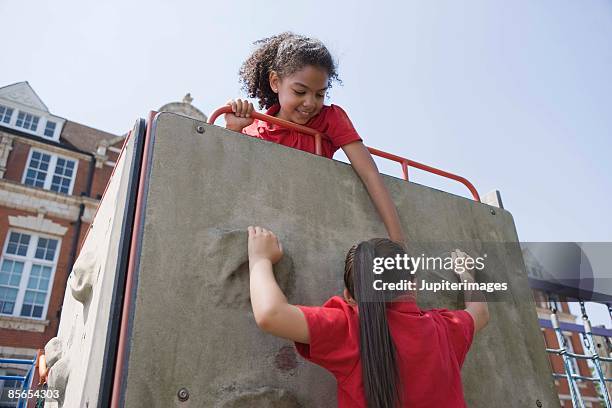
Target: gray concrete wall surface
(193, 328)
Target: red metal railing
(404, 162)
(271, 119)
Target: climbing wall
(193, 331)
(192, 340)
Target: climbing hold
(83, 277)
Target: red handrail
(405, 163)
(277, 121)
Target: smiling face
(300, 94)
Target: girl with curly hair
(290, 75)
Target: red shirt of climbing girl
(383, 350)
(290, 75)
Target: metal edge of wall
(123, 261)
(121, 268)
(112, 333)
(119, 383)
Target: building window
(5, 114)
(50, 172)
(570, 348)
(50, 129)
(37, 169)
(7, 385)
(62, 179)
(27, 121)
(26, 271)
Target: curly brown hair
(284, 53)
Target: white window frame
(570, 348)
(43, 116)
(34, 116)
(4, 114)
(47, 121)
(51, 170)
(28, 260)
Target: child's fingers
(277, 241)
(275, 238)
(241, 107)
(261, 231)
(251, 231)
(236, 106)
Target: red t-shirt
(332, 121)
(431, 347)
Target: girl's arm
(475, 301)
(366, 169)
(273, 314)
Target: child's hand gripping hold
(272, 311)
(459, 257)
(475, 301)
(263, 245)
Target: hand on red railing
(241, 117)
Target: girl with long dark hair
(384, 351)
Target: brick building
(589, 395)
(52, 173)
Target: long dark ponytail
(381, 378)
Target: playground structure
(157, 309)
(592, 355)
(22, 383)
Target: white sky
(512, 95)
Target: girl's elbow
(265, 319)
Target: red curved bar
(407, 162)
(318, 137)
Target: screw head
(200, 129)
(492, 211)
(538, 403)
(183, 394)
